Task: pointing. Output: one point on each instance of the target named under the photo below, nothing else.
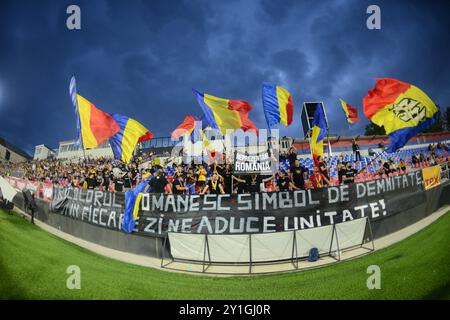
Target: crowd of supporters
(109, 174)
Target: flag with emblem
(401, 108)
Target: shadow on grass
(441, 293)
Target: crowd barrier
(250, 249)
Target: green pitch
(33, 265)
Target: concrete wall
(42, 152)
(67, 150)
(14, 156)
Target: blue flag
(132, 202)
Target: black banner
(102, 208)
(246, 213)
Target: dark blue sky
(141, 58)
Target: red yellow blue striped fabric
(96, 126)
(401, 108)
(186, 127)
(351, 113)
(130, 134)
(191, 126)
(319, 131)
(225, 114)
(277, 104)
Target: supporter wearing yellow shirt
(201, 177)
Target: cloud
(143, 58)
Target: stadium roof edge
(14, 149)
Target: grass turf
(33, 265)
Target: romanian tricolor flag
(132, 203)
(95, 126)
(351, 113)
(277, 104)
(191, 126)
(130, 134)
(401, 108)
(319, 131)
(225, 114)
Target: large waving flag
(94, 126)
(277, 104)
(132, 202)
(319, 131)
(401, 108)
(225, 114)
(351, 113)
(191, 126)
(125, 140)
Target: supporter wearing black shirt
(118, 184)
(292, 156)
(190, 177)
(178, 185)
(349, 174)
(386, 168)
(107, 177)
(220, 169)
(283, 182)
(227, 177)
(298, 175)
(127, 180)
(323, 169)
(91, 182)
(158, 183)
(355, 149)
(214, 186)
(133, 175)
(253, 183)
(239, 184)
(341, 171)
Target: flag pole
(330, 154)
(73, 96)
